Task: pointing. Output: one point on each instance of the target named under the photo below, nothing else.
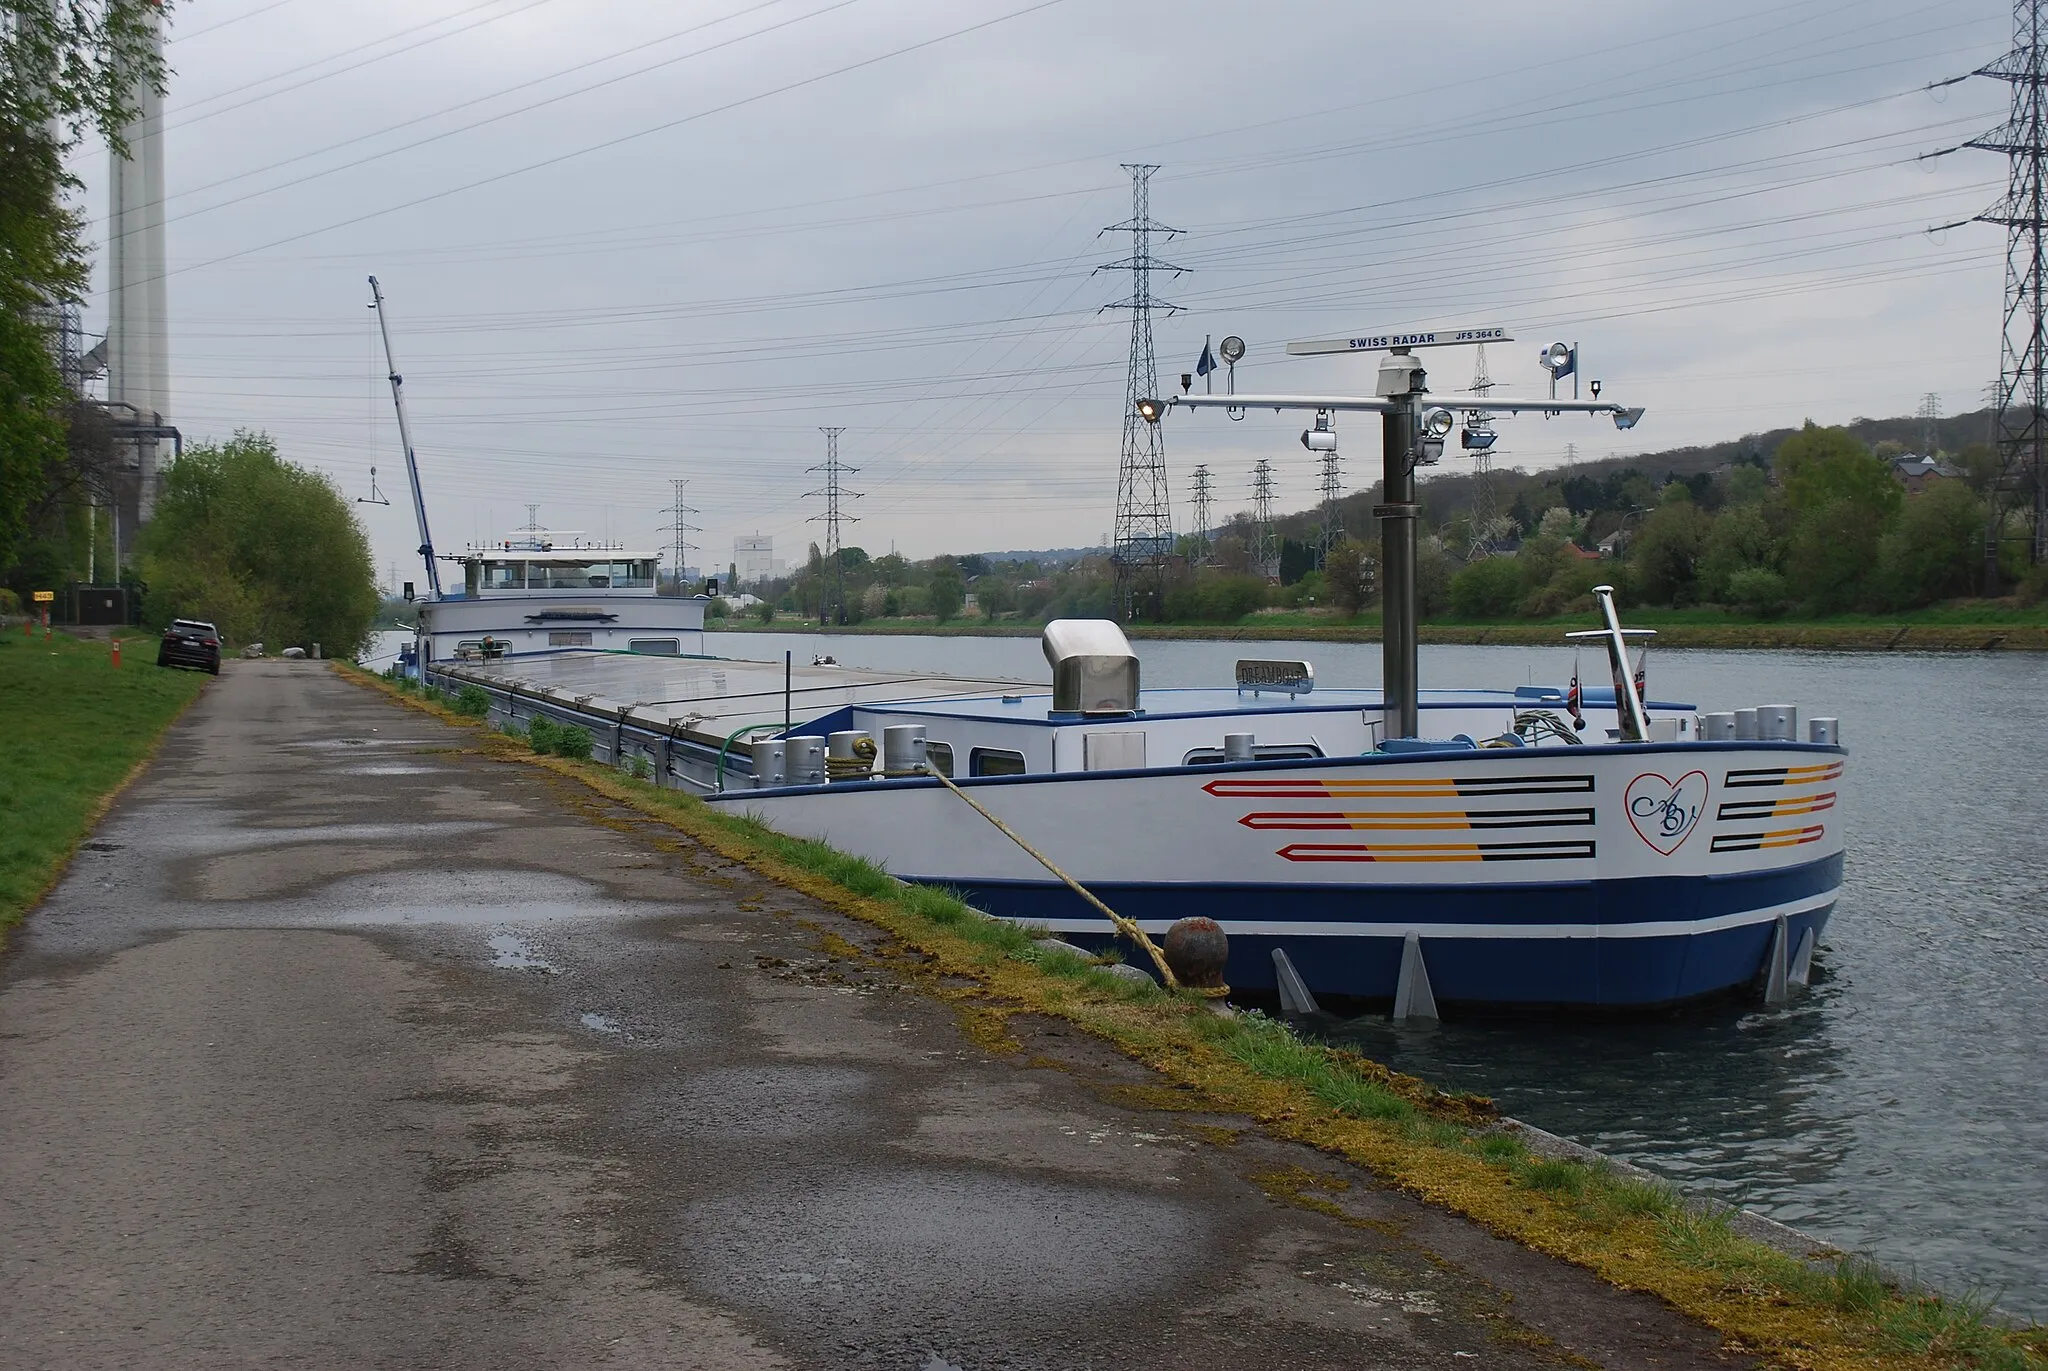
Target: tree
(1832, 548)
(1434, 568)
(1818, 465)
(1351, 573)
(1741, 539)
(1936, 551)
(994, 595)
(946, 591)
(1843, 501)
(1747, 485)
(268, 550)
(1665, 554)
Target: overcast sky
(626, 243)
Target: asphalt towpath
(342, 1044)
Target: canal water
(1900, 1107)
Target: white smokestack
(138, 342)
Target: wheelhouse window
(655, 647)
(992, 761)
(569, 638)
(590, 574)
(940, 757)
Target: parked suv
(190, 642)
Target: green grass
(75, 728)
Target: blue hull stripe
(1582, 943)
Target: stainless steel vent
(1094, 670)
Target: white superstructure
(535, 591)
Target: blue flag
(1206, 363)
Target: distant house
(1916, 473)
(1574, 550)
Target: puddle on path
(347, 744)
(599, 1023)
(470, 899)
(510, 952)
(387, 769)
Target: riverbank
(1448, 1150)
(2018, 634)
(78, 730)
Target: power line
(491, 119)
(663, 127)
(187, 116)
(832, 595)
(1143, 537)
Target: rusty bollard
(1197, 950)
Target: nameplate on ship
(1257, 675)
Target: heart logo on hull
(1665, 812)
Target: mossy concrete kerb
(1773, 1295)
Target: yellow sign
(44, 597)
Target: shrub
(574, 742)
(2034, 588)
(640, 768)
(541, 733)
(473, 701)
(765, 612)
(1758, 591)
(1487, 589)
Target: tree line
(1817, 525)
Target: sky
(627, 244)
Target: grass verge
(79, 730)
(1841, 1312)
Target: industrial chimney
(138, 351)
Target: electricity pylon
(1144, 505)
(832, 595)
(1266, 553)
(1203, 498)
(679, 529)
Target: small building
(1916, 473)
(753, 559)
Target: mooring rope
(1127, 927)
